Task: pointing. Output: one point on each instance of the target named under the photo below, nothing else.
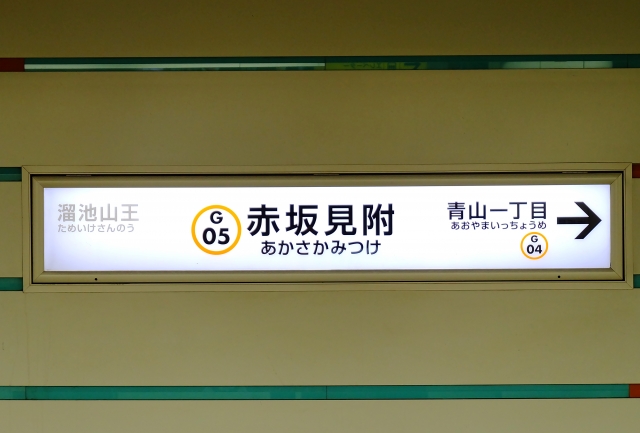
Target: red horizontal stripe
(634, 390)
(636, 170)
(11, 65)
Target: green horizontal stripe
(10, 174)
(604, 61)
(176, 393)
(458, 392)
(12, 393)
(175, 64)
(482, 62)
(388, 392)
(175, 60)
(636, 281)
(144, 67)
(10, 284)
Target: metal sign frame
(36, 178)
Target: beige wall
(285, 118)
(316, 28)
(522, 416)
(350, 117)
(11, 231)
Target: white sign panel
(357, 228)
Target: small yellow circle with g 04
(534, 245)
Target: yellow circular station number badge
(216, 229)
(534, 245)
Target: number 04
(531, 249)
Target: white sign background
(422, 236)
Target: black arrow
(592, 220)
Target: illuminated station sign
(333, 230)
